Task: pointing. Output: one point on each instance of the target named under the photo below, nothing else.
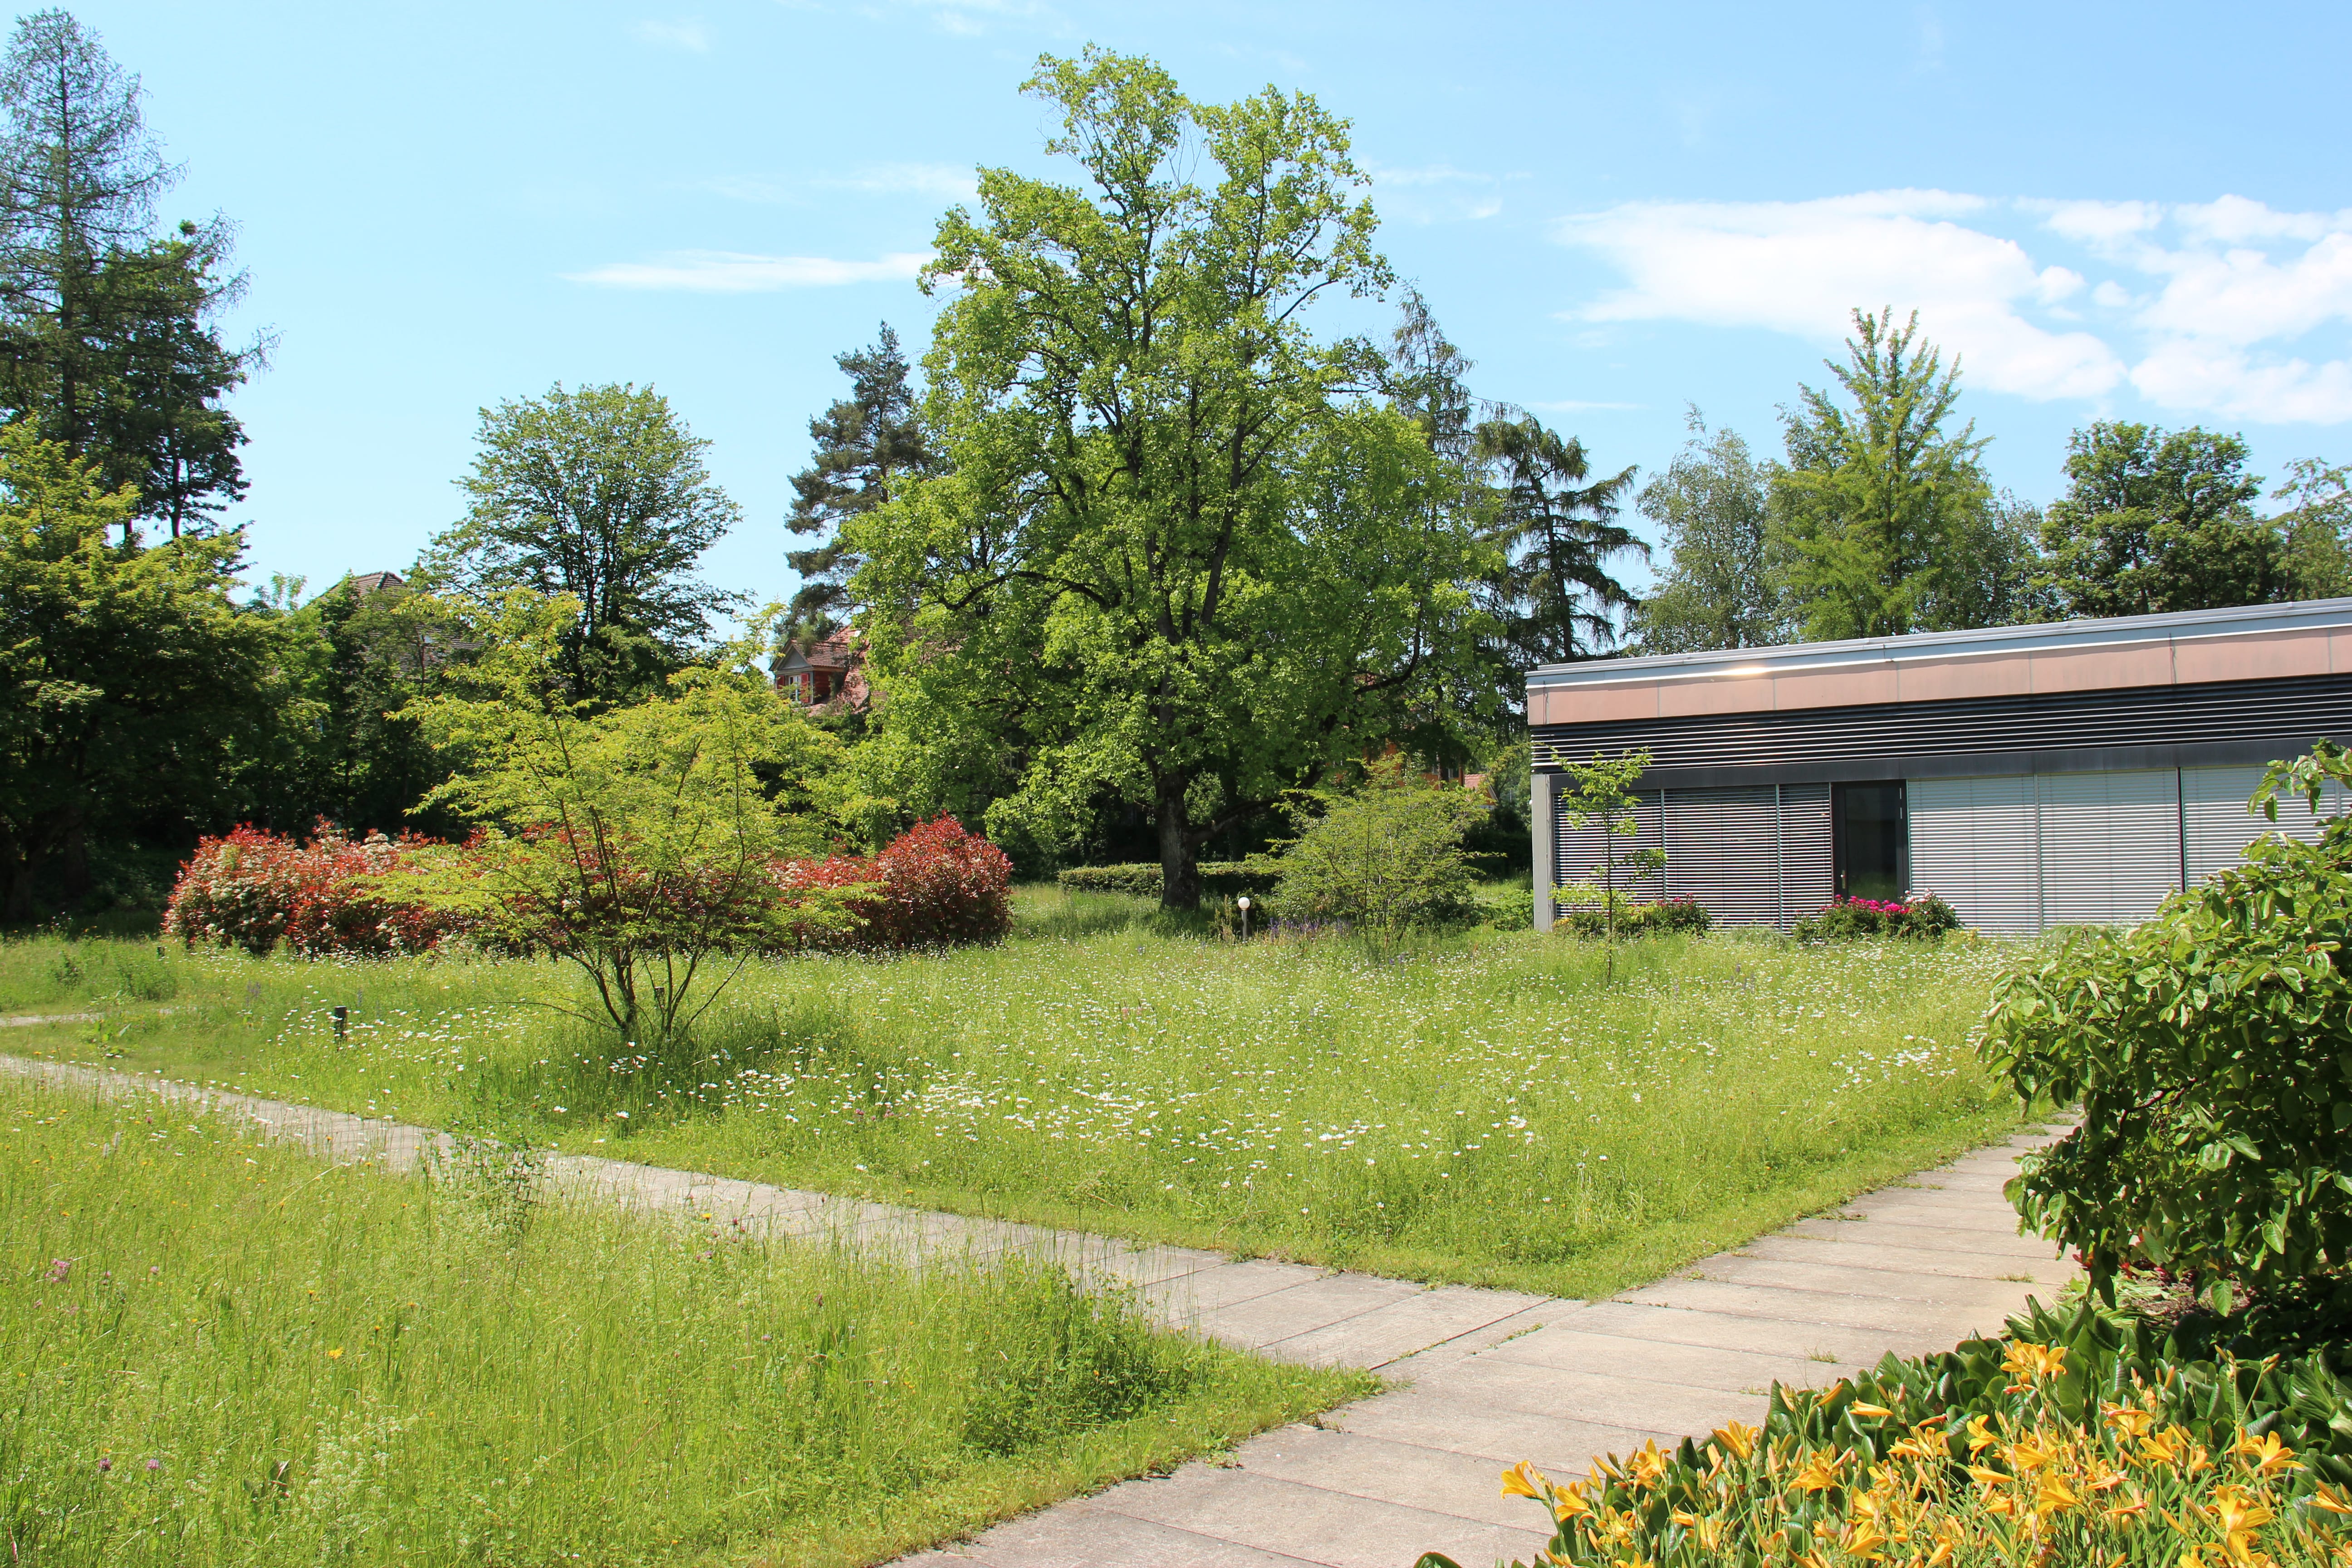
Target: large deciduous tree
(2155, 521)
(1721, 586)
(600, 493)
(129, 685)
(110, 332)
(1173, 556)
(869, 445)
(1890, 523)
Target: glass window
(1872, 841)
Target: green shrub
(1227, 878)
(1924, 918)
(1383, 856)
(2211, 1051)
(1683, 916)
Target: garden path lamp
(1241, 904)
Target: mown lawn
(220, 1351)
(1483, 1109)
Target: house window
(1872, 840)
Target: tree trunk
(1179, 860)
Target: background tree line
(1133, 556)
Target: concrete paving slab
(1857, 1253)
(1401, 1327)
(1430, 1416)
(1600, 1398)
(1658, 1360)
(1989, 1243)
(1833, 1346)
(1288, 1518)
(1186, 1297)
(1353, 1465)
(1322, 1304)
(1854, 1279)
(1083, 1534)
(1823, 1307)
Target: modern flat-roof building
(2041, 775)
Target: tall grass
(1486, 1107)
(220, 1351)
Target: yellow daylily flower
(2265, 1456)
(1568, 1504)
(2126, 1421)
(1524, 1479)
(1648, 1465)
(1861, 1408)
(2323, 1496)
(1980, 1437)
(1739, 1439)
(2030, 1363)
(2053, 1495)
(1820, 1471)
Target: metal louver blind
(2217, 827)
(1722, 850)
(2110, 845)
(1808, 851)
(1578, 852)
(1975, 845)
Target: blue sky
(2108, 211)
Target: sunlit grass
(1482, 1108)
(221, 1351)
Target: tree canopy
(1176, 556)
(600, 494)
(869, 445)
(2153, 520)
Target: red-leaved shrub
(939, 885)
(252, 889)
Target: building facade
(2033, 776)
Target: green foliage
(1173, 559)
(1383, 856)
(1923, 919)
(869, 445)
(2155, 521)
(326, 1365)
(1557, 535)
(602, 495)
(1676, 917)
(1889, 523)
(1721, 587)
(638, 843)
(128, 686)
(2316, 530)
(1601, 793)
(2211, 1048)
(109, 334)
(1222, 878)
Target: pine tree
(868, 445)
(1558, 530)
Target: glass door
(1872, 841)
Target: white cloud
(2226, 307)
(692, 36)
(735, 272)
(1803, 267)
(1437, 193)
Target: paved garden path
(1485, 1378)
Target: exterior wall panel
(1975, 844)
(1808, 851)
(1723, 848)
(1580, 850)
(2217, 827)
(2110, 845)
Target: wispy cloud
(737, 272)
(1435, 192)
(686, 34)
(1579, 405)
(2228, 307)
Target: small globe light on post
(1241, 904)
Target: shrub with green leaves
(2211, 1051)
(1219, 878)
(1685, 917)
(1384, 857)
(1923, 919)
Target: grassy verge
(1483, 1109)
(220, 1350)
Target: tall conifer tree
(868, 445)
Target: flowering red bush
(1924, 916)
(253, 888)
(939, 884)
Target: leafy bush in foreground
(252, 889)
(934, 884)
(2211, 1051)
(2084, 1440)
(1924, 917)
(1383, 856)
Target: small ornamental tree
(2211, 1051)
(1601, 793)
(1384, 857)
(638, 844)
(935, 884)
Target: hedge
(1224, 879)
